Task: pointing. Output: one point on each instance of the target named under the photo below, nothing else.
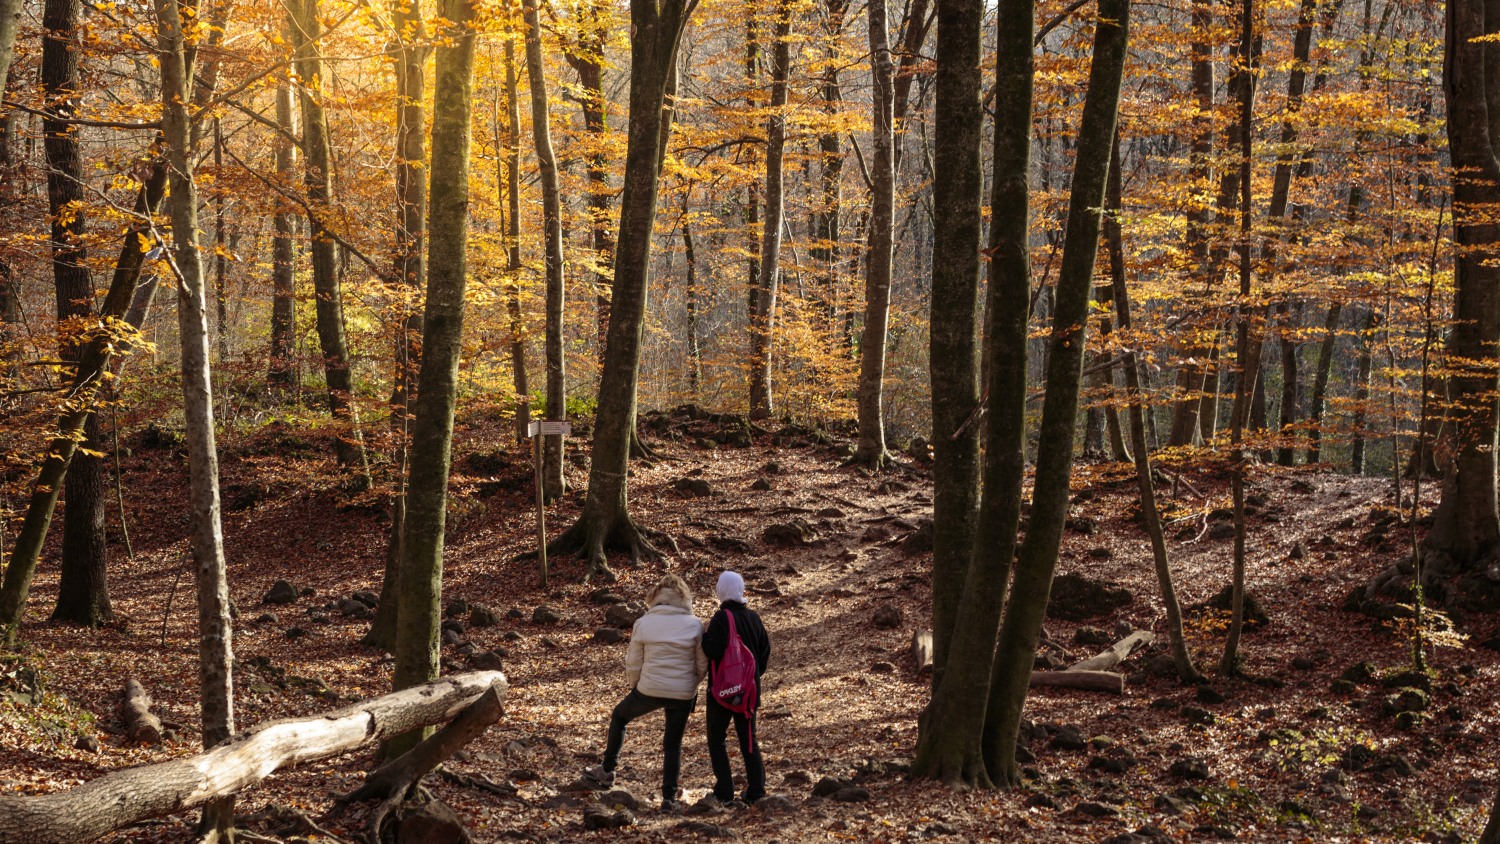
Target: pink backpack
(734, 686)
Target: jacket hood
(672, 598)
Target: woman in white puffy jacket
(664, 665)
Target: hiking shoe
(598, 776)
(671, 807)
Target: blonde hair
(672, 582)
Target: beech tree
(421, 572)
(763, 293)
(657, 30)
(215, 639)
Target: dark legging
(634, 706)
(718, 719)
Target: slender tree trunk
(1191, 377)
(283, 372)
(586, 57)
(605, 520)
(513, 241)
(419, 603)
(83, 589)
(1362, 394)
(763, 312)
(826, 252)
(1247, 64)
(557, 397)
(221, 250)
(10, 18)
(307, 30)
(1286, 453)
(871, 449)
(1320, 382)
(1150, 514)
(410, 271)
(695, 354)
(215, 649)
(1034, 566)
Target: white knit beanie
(731, 587)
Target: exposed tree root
(959, 768)
(394, 781)
(588, 539)
(876, 460)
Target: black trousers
(634, 706)
(719, 719)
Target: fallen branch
(1089, 681)
(115, 800)
(1117, 653)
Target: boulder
(432, 822)
(886, 616)
(609, 635)
(793, 534)
(281, 592)
(624, 615)
(483, 616)
(1076, 598)
(545, 615)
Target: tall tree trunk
(657, 28)
(826, 252)
(221, 249)
(977, 547)
(763, 298)
(871, 450)
(1286, 452)
(83, 590)
(10, 19)
(513, 242)
(307, 31)
(1247, 62)
(418, 604)
(695, 353)
(215, 648)
(410, 271)
(557, 397)
(283, 371)
(586, 56)
(1362, 393)
(1320, 382)
(1192, 376)
(1150, 514)
(1466, 525)
(1034, 566)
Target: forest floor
(1280, 756)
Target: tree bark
(1247, 62)
(1135, 409)
(557, 397)
(763, 296)
(410, 272)
(971, 551)
(586, 56)
(421, 573)
(141, 724)
(1037, 560)
(283, 370)
(206, 539)
(1362, 393)
(307, 30)
(871, 449)
(513, 242)
(129, 796)
(695, 353)
(1200, 217)
(1320, 382)
(1466, 525)
(605, 519)
(83, 591)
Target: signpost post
(536, 430)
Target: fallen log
(141, 725)
(125, 797)
(1089, 681)
(1117, 653)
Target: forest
(1099, 400)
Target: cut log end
(141, 724)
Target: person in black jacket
(731, 590)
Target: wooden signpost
(537, 430)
